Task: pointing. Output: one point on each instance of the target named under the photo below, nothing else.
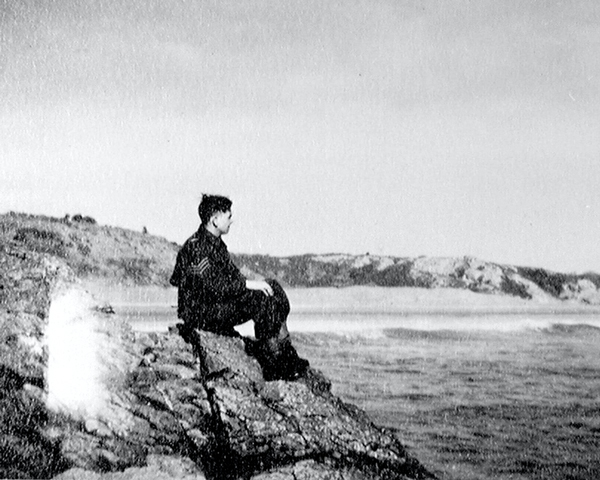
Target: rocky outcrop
(85, 397)
(26, 284)
(581, 290)
(283, 426)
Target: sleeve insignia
(201, 267)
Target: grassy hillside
(92, 250)
(137, 258)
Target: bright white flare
(74, 370)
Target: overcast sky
(396, 127)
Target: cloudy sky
(397, 127)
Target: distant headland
(128, 257)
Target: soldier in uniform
(213, 295)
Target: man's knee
(275, 285)
(279, 296)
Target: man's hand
(259, 285)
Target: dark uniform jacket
(205, 276)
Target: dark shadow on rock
(25, 452)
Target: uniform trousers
(269, 313)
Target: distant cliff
(138, 258)
(426, 272)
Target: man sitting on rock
(213, 295)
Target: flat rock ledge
(156, 407)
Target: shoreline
(363, 300)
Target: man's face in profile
(222, 221)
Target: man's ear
(214, 218)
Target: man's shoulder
(191, 241)
(194, 238)
(198, 242)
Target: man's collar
(203, 232)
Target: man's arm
(259, 285)
(221, 279)
(200, 268)
(179, 270)
(218, 275)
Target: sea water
(498, 397)
(472, 395)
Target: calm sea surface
(472, 396)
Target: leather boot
(293, 365)
(280, 361)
